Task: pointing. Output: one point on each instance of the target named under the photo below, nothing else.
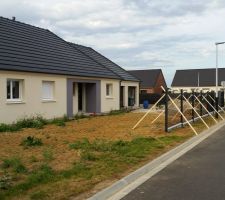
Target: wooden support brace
(196, 112)
(218, 105)
(181, 113)
(160, 114)
(148, 112)
(213, 108)
(206, 109)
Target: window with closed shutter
(48, 90)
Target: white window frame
(110, 85)
(11, 99)
(52, 97)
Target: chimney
(14, 18)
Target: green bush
(9, 128)
(34, 122)
(14, 163)
(31, 141)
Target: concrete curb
(133, 180)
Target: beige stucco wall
(32, 103)
(110, 103)
(126, 84)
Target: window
(48, 90)
(14, 89)
(109, 90)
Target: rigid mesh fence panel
(192, 105)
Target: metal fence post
(193, 105)
(201, 110)
(181, 108)
(166, 110)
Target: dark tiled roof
(27, 48)
(105, 62)
(198, 77)
(148, 77)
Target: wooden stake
(213, 108)
(163, 111)
(218, 105)
(196, 112)
(206, 110)
(181, 113)
(148, 112)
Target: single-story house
(40, 73)
(200, 79)
(151, 80)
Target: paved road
(198, 175)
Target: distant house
(40, 73)
(201, 79)
(151, 80)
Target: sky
(136, 34)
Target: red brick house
(151, 80)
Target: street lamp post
(217, 44)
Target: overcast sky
(136, 34)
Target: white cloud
(134, 33)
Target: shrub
(15, 164)
(31, 141)
(34, 122)
(9, 128)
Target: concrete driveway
(198, 175)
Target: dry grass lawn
(56, 153)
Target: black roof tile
(198, 77)
(148, 77)
(28, 48)
(122, 73)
